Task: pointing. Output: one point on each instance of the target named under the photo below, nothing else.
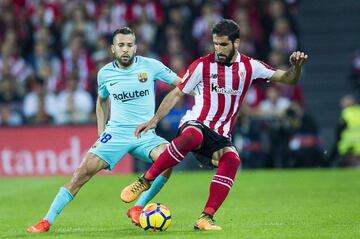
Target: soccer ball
(155, 217)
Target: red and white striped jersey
(220, 89)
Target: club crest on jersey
(242, 75)
(142, 77)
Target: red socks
(222, 181)
(188, 140)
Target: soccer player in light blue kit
(129, 83)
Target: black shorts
(212, 142)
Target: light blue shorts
(112, 145)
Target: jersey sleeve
(192, 77)
(102, 91)
(163, 73)
(261, 70)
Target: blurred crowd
(51, 52)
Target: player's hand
(297, 58)
(144, 128)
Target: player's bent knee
(217, 155)
(230, 160)
(192, 138)
(155, 153)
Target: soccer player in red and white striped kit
(220, 81)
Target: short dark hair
(227, 27)
(124, 31)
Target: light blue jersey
(132, 90)
(132, 96)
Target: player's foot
(131, 192)
(42, 226)
(134, 214)
(206, 223)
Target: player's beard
(228, 58)
(125, 63)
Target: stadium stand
(47, 44)
(330, 33)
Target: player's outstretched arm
(292, 75)
(102, 113)
(166, 105)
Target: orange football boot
(42, 226)
(133, 191)
(134, 214)
(206, 223)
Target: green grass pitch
(262, 204)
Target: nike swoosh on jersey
(113, 83)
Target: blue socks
(146, 196)
(63, 197)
